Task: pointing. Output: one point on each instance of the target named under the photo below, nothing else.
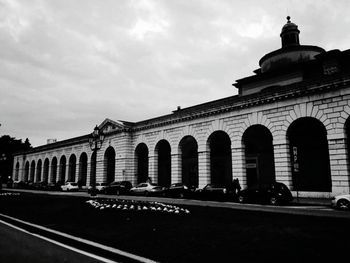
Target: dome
(289, 26)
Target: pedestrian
(236, 186)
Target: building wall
(331, 108)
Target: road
(312, 207)
(32, 248)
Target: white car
(147, 189)
(70, 186)
(341, 202)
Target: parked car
(42, 185)
(214, 192)
(54, 186)
(100, 187)
(70, 186)
(179, 190)
(147, 189)
(119, 187)
(273, 194)
(341, 202)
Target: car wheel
(343, 204)
(146, 193)
(117, 193)
(181, 195)
(273, 200)
(241, 199)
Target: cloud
(66, 65)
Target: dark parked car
(214, 192)
(179, 190)
(118, 188)
(273, 194)
(54, 186)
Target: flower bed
(133, 205)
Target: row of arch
(308, 148)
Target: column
(153, 168)
(283, 166)
(203, 168)
(339, 165)
(238, 165)
(176, 176)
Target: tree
(8, 146)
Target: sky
(66, 65)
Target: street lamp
(95, 140)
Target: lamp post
(95, 141)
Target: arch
(53, 170)
(309, 154)
(109, 165)
(83, 160)
(32, 171)
(62, 169)
(141, 158)
(93, 169)
(26, 172)
(72, 168)
(259, 156)
(38, 171)
(163, 153)
(347, 136)
(189, 161)
(219, 145)
(17, 172)
(46, 170)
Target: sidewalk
(311, 201)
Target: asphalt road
(23, 247)
(312, 207)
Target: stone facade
(323, 97)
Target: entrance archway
(82, 170)
(189, 161)
(32, 171)
(38, 171)
(259, 157)
(309, 155)
(93, 169)
(164, 163)
(53, 170)
(62, 172)
(26, 172)
(46, 170)
(141, 156)
(72, 168)
(109, 164)
(220, 158)
(347, 136)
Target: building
(289, 123)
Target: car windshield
(74, 184)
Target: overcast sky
(66, 65)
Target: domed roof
(289, 26)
